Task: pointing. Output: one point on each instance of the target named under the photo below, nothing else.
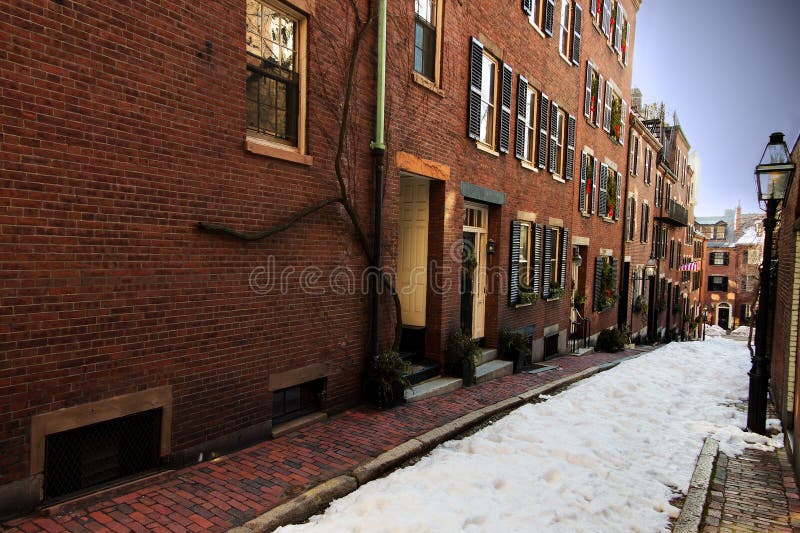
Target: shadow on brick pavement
(230, 490)
(754, 492)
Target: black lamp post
(650, 273)
(773, 174)
(705, 319)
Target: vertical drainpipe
(378, 148)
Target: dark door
(724, 317)
(468, 271)
(622, 317)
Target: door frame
(479, 281)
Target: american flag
(693, 266)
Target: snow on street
(606, 455)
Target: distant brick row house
(146, 146)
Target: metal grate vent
(100, 453)
(550, 345)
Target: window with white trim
(630, 218)
(614, 112)
(488, 100)
(644, 227)
(587, 188)
(592, 106)
(541, 14)
(527, 108)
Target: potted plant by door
(387, 382)
(514, 347)
(461, 355)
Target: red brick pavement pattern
(755, 492)
(218, 495)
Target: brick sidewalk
(755, 492)
(226, 492)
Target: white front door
(412, 272)
(476, 224)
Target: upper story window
(644, 228)
(527, 100)
(648, 165)
(587, 190)
(540, 14)
(570, 35)
(718, 283)
(427, 18)
(609, 197)
(610, 17)
(630, 218)
(592, 90)
(558, 132)
(719, 258)
(634, 155)
(489, 120)
(275, 84)
(659, 188)
(614, 113)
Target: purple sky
(731, 70)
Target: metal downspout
(378, 148)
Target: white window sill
(558, 178)
(537, 28)
(584, 214)
(521, 305)
(263, 147)
(419, 79)
(553, 299)
(529, 165)
(483, 147)
(565, 58)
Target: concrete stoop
(432, 387)
(583, 351)
(493, 369)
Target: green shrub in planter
(611, 341)
(514, 347)
(387, 382)
(461, 354)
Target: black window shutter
(551, 158)
(522, 131)
(513, 274)
(548, 255)
(549, 15)
(607, 104)
(475, 75)
(569, 163)
(602, 200)
(598, 278)
(505, 109)
(544, 112)
(614, 275)
(536, 270)
(587, 97)
(582, 186)
(527, 7)
(562, 278)
(595, 177)
(577, 22)
(725, 258)
(598, 116)
(618, 205)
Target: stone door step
(487, 354)
(432, 387)
(493, 369)
(583, 351)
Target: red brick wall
(783, 327)
(121, 129)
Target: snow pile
(607, 454)
(743, 331)
(714, 331)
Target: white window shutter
(587, 97)
(609, 98)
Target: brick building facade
(144, 146)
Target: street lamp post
(705, 319)
(650, 274)
(773, 174)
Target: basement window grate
(99, 454)
(550, 345)
(299, 400)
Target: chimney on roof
(737, 221)
(636, 99)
